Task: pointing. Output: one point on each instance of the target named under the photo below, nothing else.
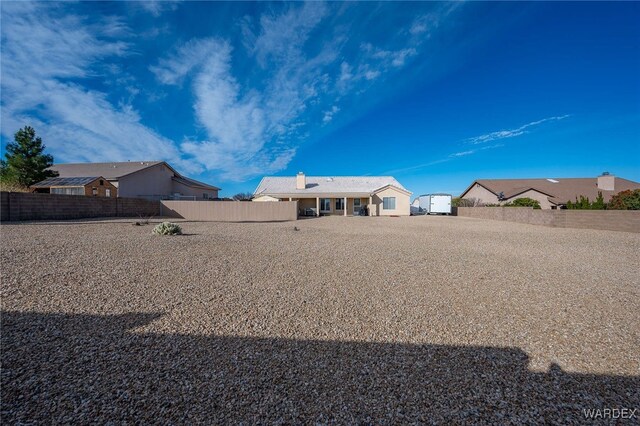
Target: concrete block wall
(612, 220)
(231, 211)
(17, 206)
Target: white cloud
(328, 115)
(251, 130)
(504, 134)
(77, 124)
(462, 153)
(157, 7)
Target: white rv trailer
(436, 203)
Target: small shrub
(167, 228)
(466, 202)
(524, 202)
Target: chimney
(301, 181)
(606, 182)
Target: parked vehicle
(435, 203)
(415, 209)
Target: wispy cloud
(504, 134)
(77, 124)
(482, 139)
(156, 7)
(255, 127)
(254, 103)
(328, 115)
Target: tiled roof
(108, 170)
(194, 183)
(559, 190)
(65, 181)
(326, 185)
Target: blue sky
(436, 94)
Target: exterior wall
(403, 203)
(102, 189)
(612, 220)
(363, 202)
(482, 194)
(305, 203)
(534, 195)
(151, 183)
(231, 211)
(192, 191)
(33, 206)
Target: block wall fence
(17, 206)
(611, 220)
(22, 206)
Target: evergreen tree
(26, 163)
(598, 204)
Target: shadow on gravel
(83, 368)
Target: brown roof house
(95, 186)
(550, 193)
(337, 195)
(142, 179)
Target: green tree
(598, 204)
(26, 163)
(524, 202)
(625, 200)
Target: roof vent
(605, 173)
(553, 180)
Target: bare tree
(243, 196)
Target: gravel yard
(347, 320)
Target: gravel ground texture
(340, 321)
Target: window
(94, 191)
(101, 182)
(68, 191)
(325, 204)
(205, 196)
(389, 203)
(339, 203)
(107, 192)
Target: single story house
(154, 180)
(550, 193)
(339, 195)
(96, 186)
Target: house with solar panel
(93, 186)
(152, 180)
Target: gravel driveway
(346, 320)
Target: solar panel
(69, 181)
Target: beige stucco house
(142, 179)
(550, 193)
(338, 195)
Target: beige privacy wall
(231, 211)
(612, 220)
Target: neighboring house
(339, 195)
(142, 179)
(551, 193)
(96, 186)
